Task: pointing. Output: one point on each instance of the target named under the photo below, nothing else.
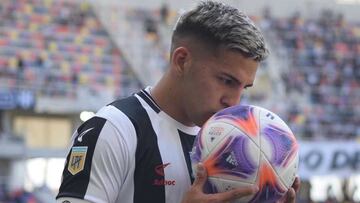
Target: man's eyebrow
(249, 85)
(236, 80)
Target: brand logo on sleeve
(80, 137)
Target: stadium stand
(54, 46)
(140, 32)
(323, 67)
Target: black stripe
(76, 185)
(187, 142)
(147, 155)
(149, 100)
(152, 99)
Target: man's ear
(180, 60)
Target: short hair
(220, 25)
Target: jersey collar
(145, 95)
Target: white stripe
(93, 199)
(170, 148)
(118, 138)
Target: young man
(137, 149)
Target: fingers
(233, 194)
(201, 176)
(290, 196)
(296, 184)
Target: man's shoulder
(131, 107)
(126, 104)
(124, 114)
(110, 126)
(119, 108)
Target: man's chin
(201, 122)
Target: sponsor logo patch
(77, 159)
(159, 169)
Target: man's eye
(227, 81)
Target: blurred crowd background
(61, 60)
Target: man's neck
(168, 97)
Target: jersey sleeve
(71, 200)
(96, 164)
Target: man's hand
(196, 194)
(290, 196)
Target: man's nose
(232, 98)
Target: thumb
(201, 176)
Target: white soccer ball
(247, 145)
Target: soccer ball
(247, 145)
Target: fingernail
(200, 168)
(292, 193)
(254, 189)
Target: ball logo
(231, 159)
(216, 131)
(269, 115)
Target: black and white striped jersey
(131, 151)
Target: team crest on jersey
(77, 159)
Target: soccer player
(137, 149)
